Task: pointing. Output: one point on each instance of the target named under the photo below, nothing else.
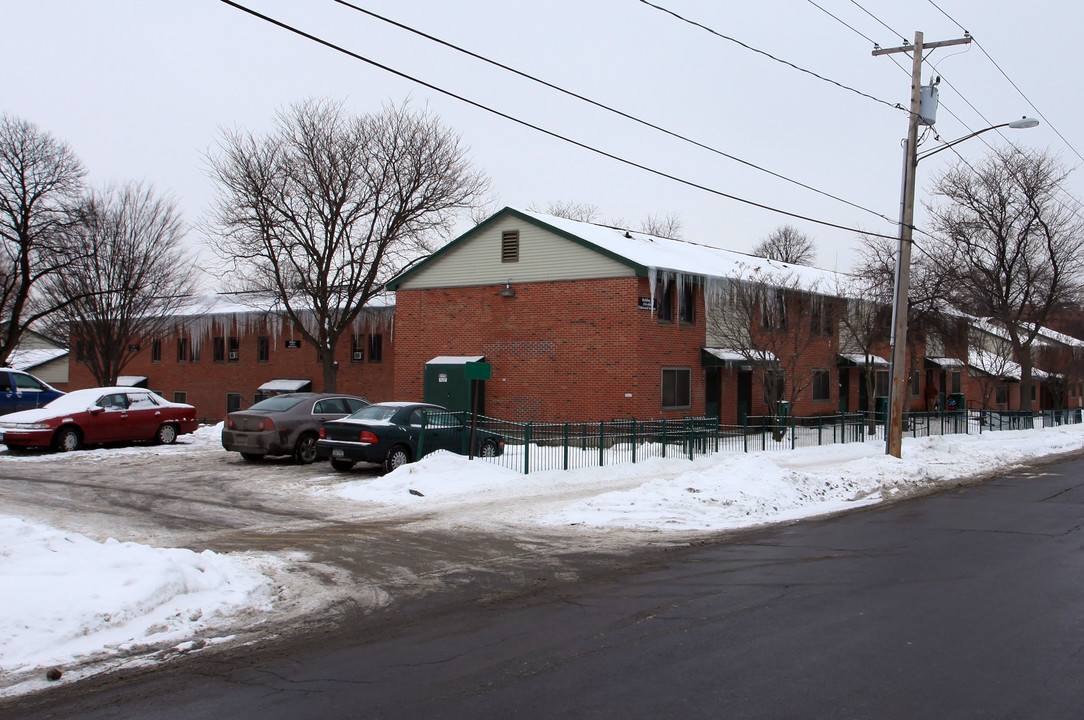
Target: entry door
(713, 390)
(745, 394)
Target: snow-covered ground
(69, 601)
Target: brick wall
(560, 351)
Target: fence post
(565, 444)
(601, 435)
(745, 432)
(634, 441)
(793, 425)
(664, 439)
(527, 448)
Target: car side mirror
(95, 409)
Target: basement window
(510, 246)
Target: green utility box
(448, 380)
(955, 401)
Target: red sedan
(96, 416)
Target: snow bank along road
(122, 557)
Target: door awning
(280, 385)
(945, 362)
(456, 359)
(722, 357)
(859, 360)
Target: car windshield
(375, 413)
(276, 404)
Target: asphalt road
(965, 604)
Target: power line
(958, 92)
(537, 128)
(1011, 82)
(694, 23)
(882, 22)
(608, 108)
(860, 34)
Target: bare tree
(668, 226)
(787, 244)
(570, 210)
(1007, 249)
(864, 320)
(990, 354)
(324, 210)
(128, 276)
(867, 317)
(766, 318)
(40, 179)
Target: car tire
(342, 465)
(488, 449)
(166, 435)
(252, 457)
(396, 457)
(67, 439)
(305, 449)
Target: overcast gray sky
(140, 89)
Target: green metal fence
(531, 447)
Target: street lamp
(894, 436)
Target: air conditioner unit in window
(234, 355)
(358, 355)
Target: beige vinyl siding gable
(543, 256)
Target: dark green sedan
(390, 434)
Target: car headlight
(25, 426)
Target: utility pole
(898, 392)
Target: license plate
(337, 452)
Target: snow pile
(65, 596)
(715, 493)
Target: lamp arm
(957, 141)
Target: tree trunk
(331, 371)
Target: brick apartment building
(579, 322)
(223, 356)
(584, 322)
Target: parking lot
(338, 555)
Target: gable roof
(645, 254)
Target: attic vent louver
(510, 246)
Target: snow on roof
(679, 256)
(998, 366)
(1045, 334)
(253, 304)
(28, 359)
